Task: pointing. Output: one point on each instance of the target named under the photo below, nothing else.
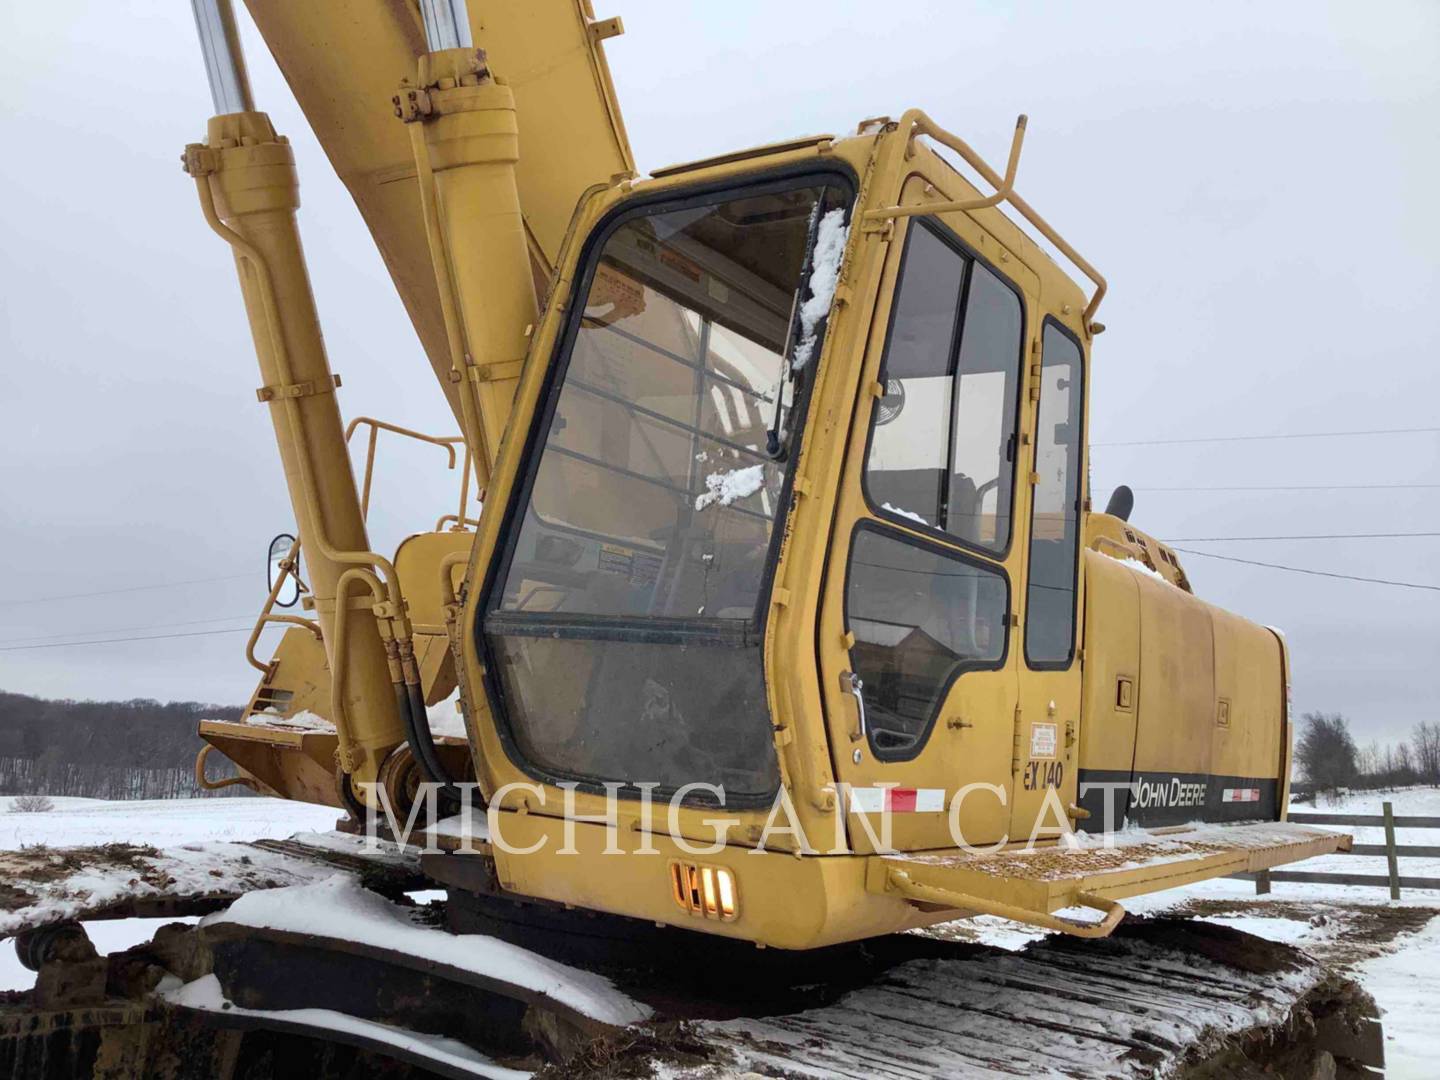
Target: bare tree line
(1329, 758)
(139, 749)
(38, 776)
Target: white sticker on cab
(1042, 740)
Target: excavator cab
(621, 621)
(785, 551)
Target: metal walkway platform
(1094, 870)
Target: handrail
(464, 498)
(460, 522)
(448, 599)
(1126, 551)
(918, 123)
(1004, 189)
(903, 883)
(446, 441)
(288, 565)
(204, 783)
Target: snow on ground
(1405, 983)
(1346, 925)
(162, 822)
(446, 722)
(1404, 977)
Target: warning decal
(1042, 740)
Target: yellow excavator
(773, 606)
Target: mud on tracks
(1353, 933)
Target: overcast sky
(1258, 182)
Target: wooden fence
(1389, 849)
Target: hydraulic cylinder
(249, 184)
(467, 144)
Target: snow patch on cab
(726, 487)
(824, 277)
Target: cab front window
(641, 541)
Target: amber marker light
(706, 891)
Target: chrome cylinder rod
(447, 24)
(224, 60)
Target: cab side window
(942, 445)
(1055, 516)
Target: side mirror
(289, 593)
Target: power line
(1300, 487)
(1317, 573)
(1316, 536)
(124, 629)
(117, 641)
(1257, 438)
(127, 589)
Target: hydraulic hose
(410, 703)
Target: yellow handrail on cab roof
(447, 442)
(917, 123)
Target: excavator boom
(344, 62)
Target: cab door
(915, 640)
(1047, 735)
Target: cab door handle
(852, 684)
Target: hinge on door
(1015, 747)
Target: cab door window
(982, 438)
(1055, 516)
(942, 444)
(906, 473)
(921, 617)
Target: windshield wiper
(776, 447)
(824, 248)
